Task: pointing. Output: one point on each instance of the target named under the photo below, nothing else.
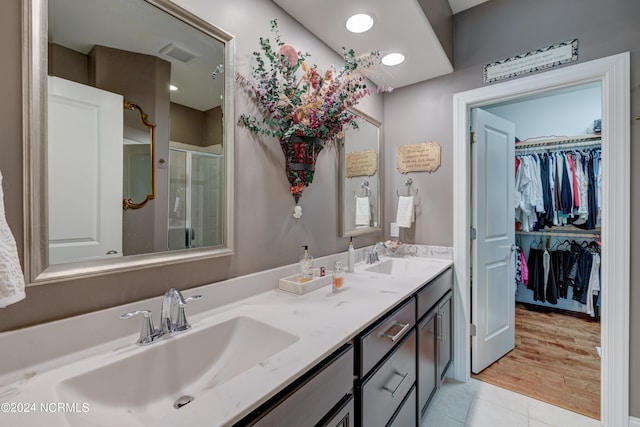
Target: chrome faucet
(373, 256)
(168, 326)
(173, 298)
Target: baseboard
(634, 422)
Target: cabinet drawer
(387, 387)
(311, 402)
(343, 417)
(380, 340)
(435, 290)
(406, 416)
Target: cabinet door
(445, 343)
(427, 374)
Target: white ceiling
(400, 26)
(137, 26)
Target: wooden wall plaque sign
(423, 157)
(361, 163)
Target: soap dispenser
(306, 265)
(351, 256)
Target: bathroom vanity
(397, 365)
(255, 355)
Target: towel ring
(407, 187)
(365, 191)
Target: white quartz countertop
(321, 322)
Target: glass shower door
(196, 217)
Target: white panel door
(493, 275)
(85, 172)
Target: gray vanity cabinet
(386, 369)
(385, 390)
(445, 341)
(406, 416)
(435, 344)
(386, 377)
(427, 359)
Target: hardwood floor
(555, 360)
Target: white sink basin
(142, 388)
(402, 266)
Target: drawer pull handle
(440, 335)
(400, 332)
(393, 391)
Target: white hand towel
(11, 277)
(363, 211)
(405, 214)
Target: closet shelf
(564, 231)
(589, 138)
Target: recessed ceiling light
(173, 88)
(360, 23)
(392, 59)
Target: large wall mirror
(85, 64)
(360, 178)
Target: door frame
(613, 73)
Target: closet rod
(565, 146)
(559, 140)
(575, 234)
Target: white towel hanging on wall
(363, 211)
(405, 214)
(11, 276)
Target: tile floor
(479, 404)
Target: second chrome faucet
(172, 317)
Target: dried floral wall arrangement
(303, 107)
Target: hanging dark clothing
(592, 202)
(546, 218)
(536, 273)
(556, 278)
(565, 194)
(585, 260)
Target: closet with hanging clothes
(556, 251)
(557, 214)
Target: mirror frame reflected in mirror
(128, 203)
(365, 183)
(35, 91)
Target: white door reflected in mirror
(85, 172)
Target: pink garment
(524, 269)
(574, 180)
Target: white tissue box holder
(292, 283)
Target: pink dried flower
(290, 55)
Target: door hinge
(473, 233)
(472, 330)
(474, 137)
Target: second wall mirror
(360, 194)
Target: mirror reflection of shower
(196, 214)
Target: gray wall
(492, 31)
